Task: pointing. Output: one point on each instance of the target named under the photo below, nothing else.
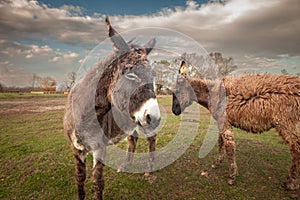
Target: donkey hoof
(294, 194)
(231, 181)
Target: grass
(12, 96)
(37, 163)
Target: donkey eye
(133, 77)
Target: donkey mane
(201, 90)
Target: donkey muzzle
(148, 116)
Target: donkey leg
(132, 140)
(292, 182)
(229, 143)
(292, 137)
(98, 180)
(80, 172)
(221, 153)
(152, 147)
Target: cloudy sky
(53, 37)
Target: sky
(53, 37)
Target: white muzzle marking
(151, 108)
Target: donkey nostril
(148, 119)
(152, 121)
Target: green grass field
(12, 96)
(37, 163)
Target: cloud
(20, 61)
(29, 56)
(15, 77)
(72, 10)
(4, 66)
(256, 33)
(54, 59)
(21, 19)
(239, 27)
(70, 55)
(15, 49)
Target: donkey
(114, 98)
(254, 103)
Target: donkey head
(132, 90)
(183, 93)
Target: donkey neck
(201, 91)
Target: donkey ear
(118, 41)
(183, 69)
(149, 46)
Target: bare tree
(199, 66)
(165, 75)
(36, 80)
(225, 65)
(71, 78)
(48, 83)
(210, 67)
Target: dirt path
(33, 105)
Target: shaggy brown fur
(100, 108)
(254, 103)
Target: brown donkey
(114, 98)
(254, 103)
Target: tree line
(43, 84)
(212, 66)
